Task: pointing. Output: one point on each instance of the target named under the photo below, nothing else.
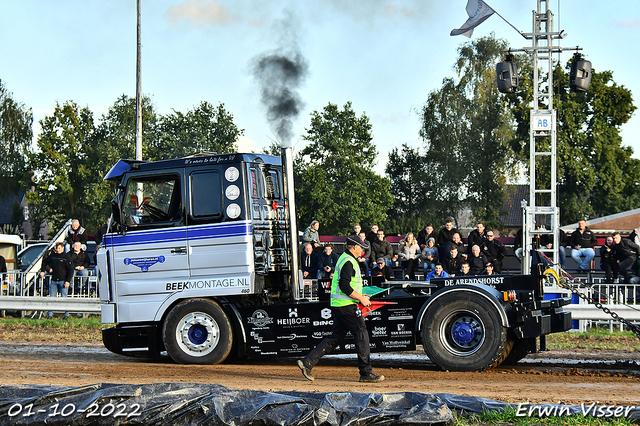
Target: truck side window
(152, 199)
(206, 190)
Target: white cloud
(199, 13)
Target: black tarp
(201, 404)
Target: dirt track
(553, 376)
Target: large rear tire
(462, 331)
(197, 331)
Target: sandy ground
(552, 377)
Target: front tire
(197, 331)
(462, 331)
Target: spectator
(517, 245)
(328, 261)
(380, 269)
(488, 269)
(626, 252)
(477, 236)
(583, 241)
(76, 233)
(477, 260)
(457, 243)
(444, 236)
(429, 255)
(635, 236)
(381, 248)
(424, 235)
(80, 262)
(59, 266)
(494, 251)
(311, 236)
(546, 240)
(356, 229)
(453, 262)
(310, 262)
(465, 270)
(608, 262)
(410, 254)
(373, 235)
(438, 272)
(365, 259)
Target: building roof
(623, 222)
(513, 204)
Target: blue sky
(384, 56)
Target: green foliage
(334, 180)
(204, 129)
(597, 175)
(61, 170)
(15, 141)
(466, 127)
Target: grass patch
(596, 339)
(509, 417)
(71, 330)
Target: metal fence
(29, 294)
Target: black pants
(624, 267)
(610, 271)
(345, 319)
(409, 266)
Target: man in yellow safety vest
(346, 293)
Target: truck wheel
(463, 332)
(197, 332)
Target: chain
(564, 283)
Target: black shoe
(372, 378)
(306, 372)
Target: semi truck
(201, 261)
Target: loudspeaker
(507, 76)
(580, 76)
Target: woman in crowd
(409, 253)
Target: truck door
(153, 250)
(220, 245)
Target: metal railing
(27, 291)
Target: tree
(596, 174)
(409, 182)
(16, 135)
(466, 127)
(334, 180)
(204, 129)
(61, 170)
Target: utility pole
(138, 89)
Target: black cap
(355, 240)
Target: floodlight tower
(542, 210)
(541, 215)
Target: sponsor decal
(396, 314)
(379, 332)
(260, 318)
(259, 338)
(396, 343)
(212, 283)
(144, 263)
(293, 312)
(293, 321)
(292, 336)
(210, 160)
(490, 281)
(325, 313)
(402, 331)
(320, 334)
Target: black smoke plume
(280, 75)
